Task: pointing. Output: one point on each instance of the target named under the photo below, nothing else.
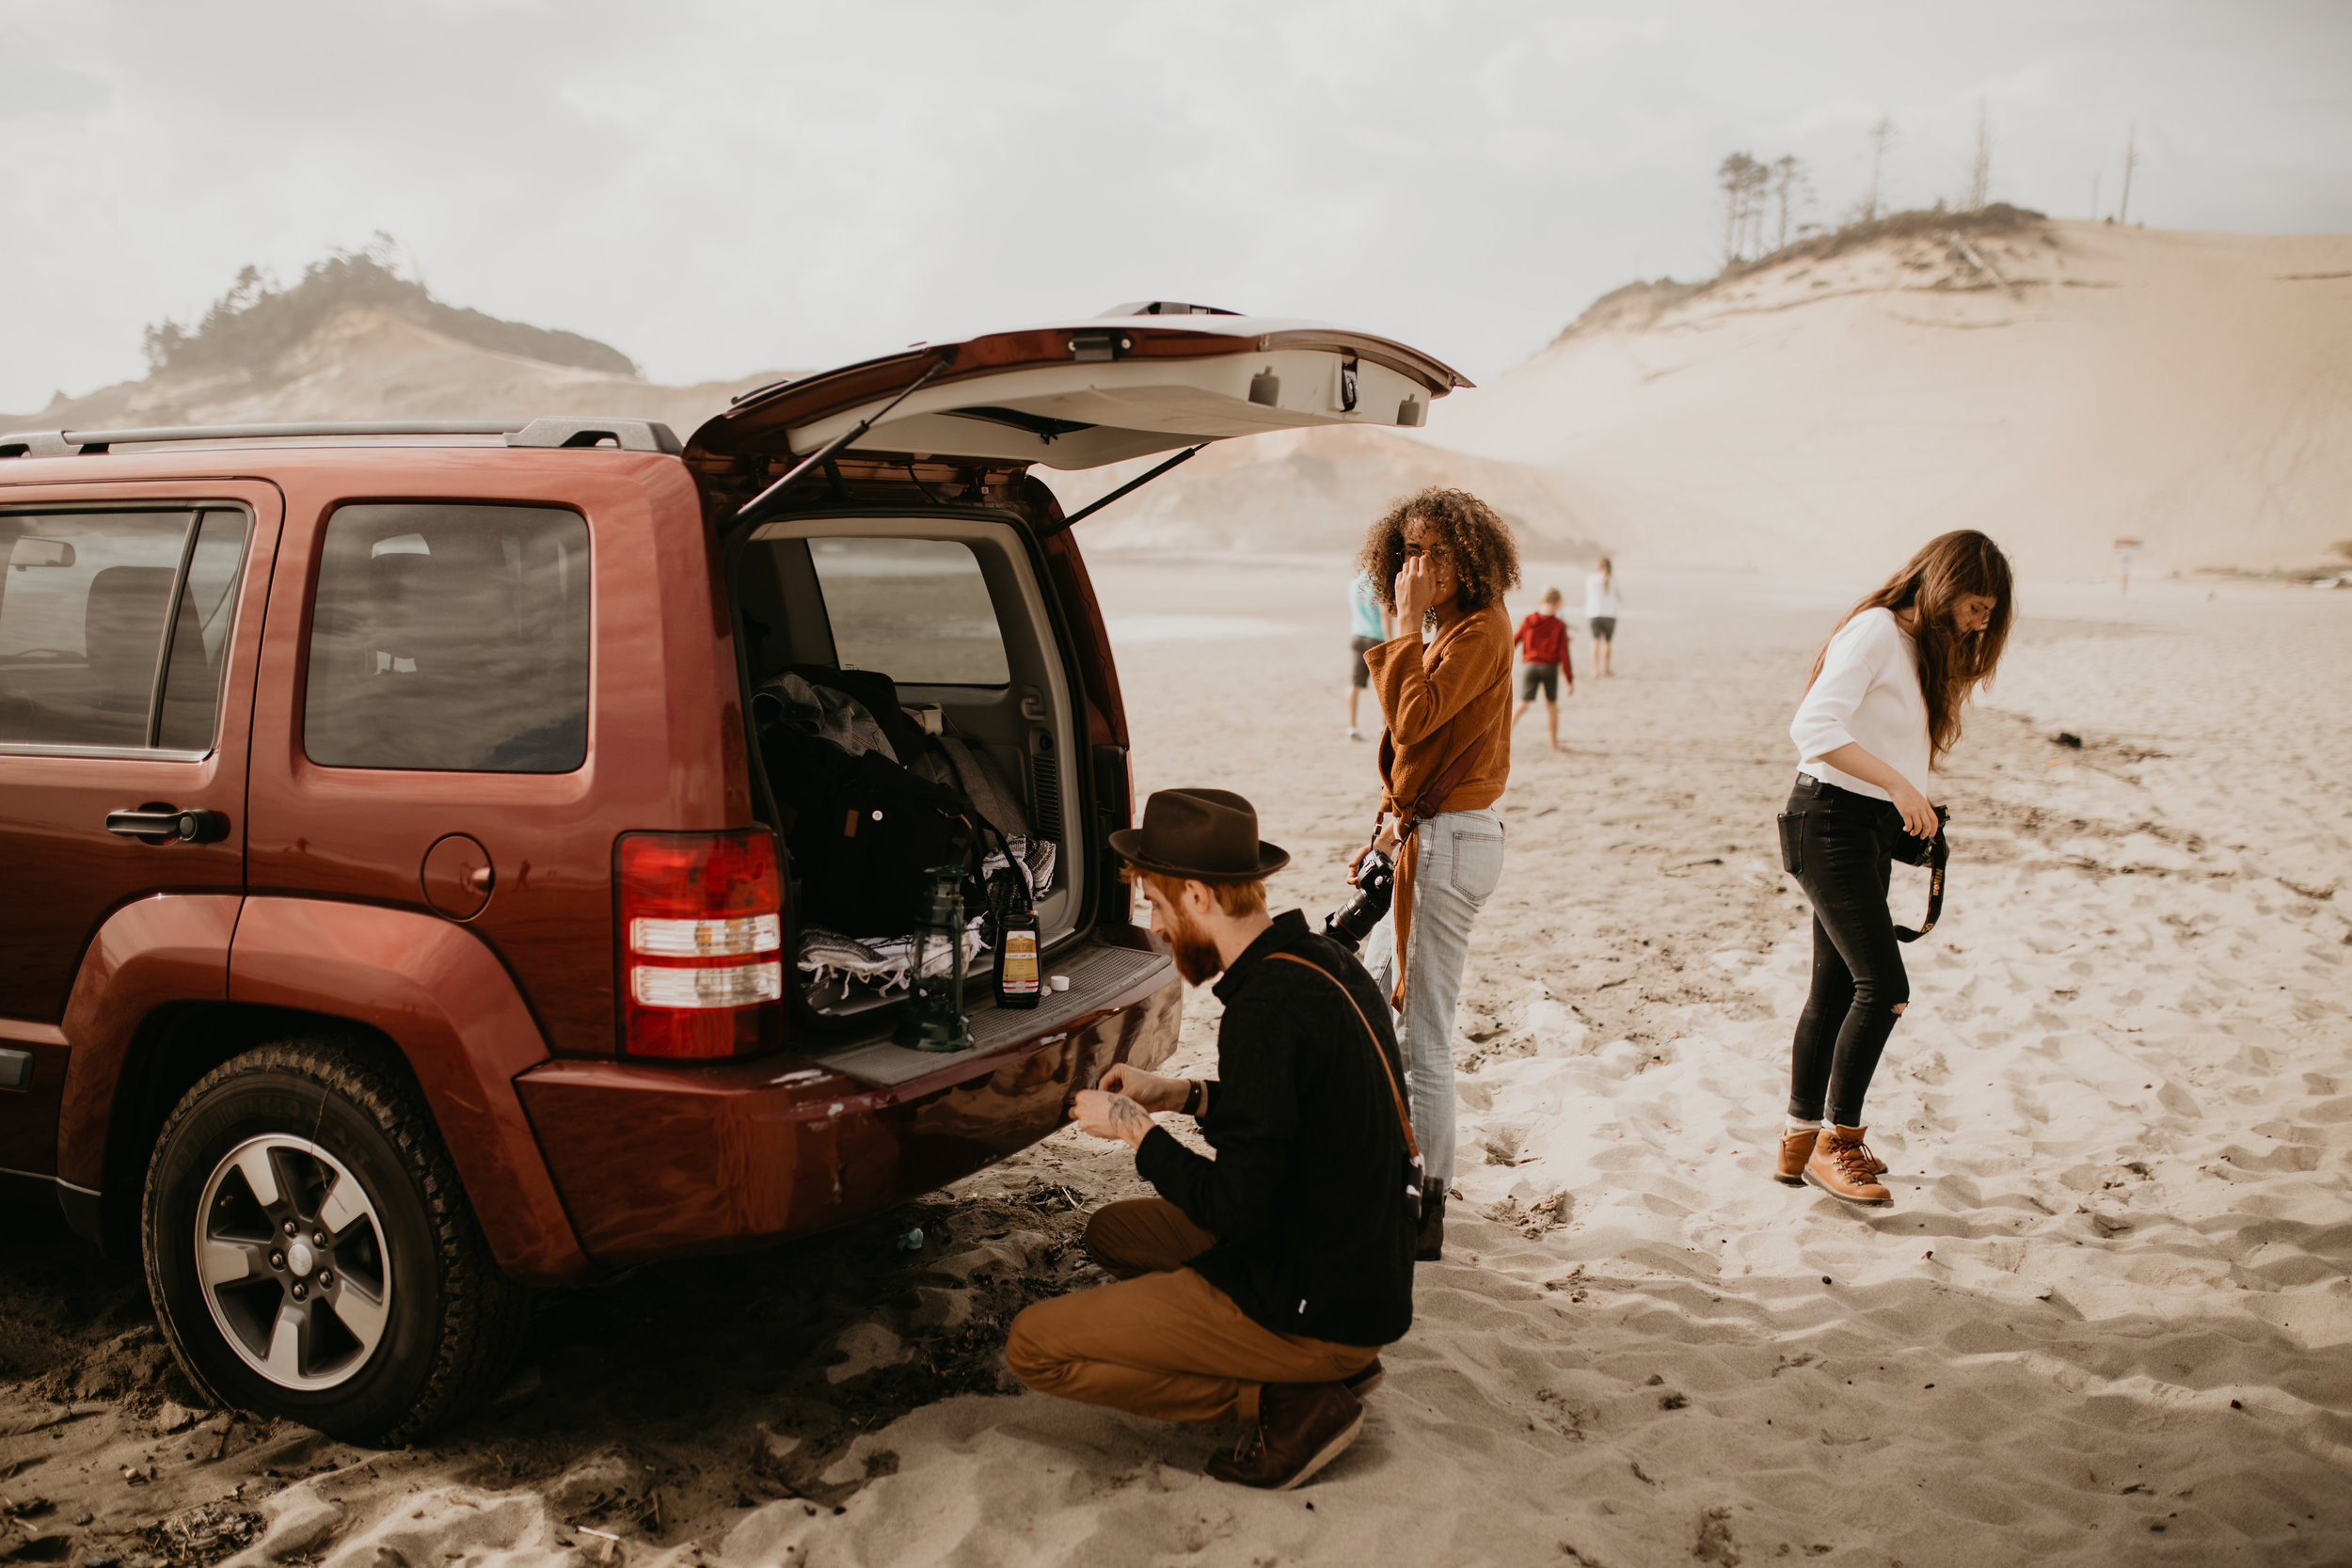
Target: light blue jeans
(1461, 861)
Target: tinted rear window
(916, 610)
(450, 637)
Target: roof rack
(562, 430)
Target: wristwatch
(1195, 1097)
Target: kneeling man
(1259, 1286)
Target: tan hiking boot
(1841, 1164)
(1795, 1150)
(1301, 1428)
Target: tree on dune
(1789, 184)
(1981, 167)
(1881, 137)
(1743, 182)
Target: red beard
(1196, 958)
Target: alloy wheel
(294, 1261)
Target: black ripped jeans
(1837, 844)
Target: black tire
(446, 1321)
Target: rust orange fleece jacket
(1441, 700)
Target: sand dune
(353, 339)
(364, 364)
(2062, 385)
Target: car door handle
(162, 825)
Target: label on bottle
(1016, 970)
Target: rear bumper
(657, 1161)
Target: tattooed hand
(1110, 1116)
(1152, 1090)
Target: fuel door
(457, 877)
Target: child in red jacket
(1543, 643)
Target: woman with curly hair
(1440, 561)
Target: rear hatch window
(915, 609)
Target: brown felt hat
(1207, 835)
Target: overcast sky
(720, 188)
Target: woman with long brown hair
(1880, 711)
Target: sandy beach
(2104, 1321)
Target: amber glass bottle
(1019, 974)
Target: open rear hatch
(1079, 394)
(925, 452)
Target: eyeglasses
(1435, 552)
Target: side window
(450, 637)
(915, 609)
(114, 626)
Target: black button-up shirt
(1307, 1195)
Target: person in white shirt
(1601, 605)
(1881, 709)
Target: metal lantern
(935, 1017)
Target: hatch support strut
(1135, 483)
(760, 506)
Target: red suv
(401, 904)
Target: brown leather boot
(1795, 1150)
(1301, 1428)
(1840, 1167)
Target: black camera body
(1911, 849)
(1375, 887)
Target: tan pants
(1162, 1341)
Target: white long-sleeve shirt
(1600, 596)
(1866, 694)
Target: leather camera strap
(1404, 1121)
(1938, 858)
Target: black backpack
(866, 830)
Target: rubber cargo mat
(1096, 974)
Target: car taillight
(702, 944)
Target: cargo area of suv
(948, 607)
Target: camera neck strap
(1396, 1095)
(1938, 856)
